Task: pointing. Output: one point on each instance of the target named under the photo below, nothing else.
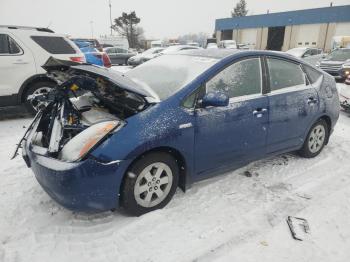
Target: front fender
(156, 127)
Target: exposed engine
(81, 99)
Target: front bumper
(85, 186)
(339, 74)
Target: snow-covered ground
(228, 218)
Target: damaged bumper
(84, 186)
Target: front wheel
(150, 183)
(315, 140)
(38, 88)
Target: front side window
(284, 74)
(8, 45)
(240, 79)
(54, 44)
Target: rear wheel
(150, 183)
(42, 87)
(316, 139)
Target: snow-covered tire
(150, 183)
(316, 139)
(37, 87)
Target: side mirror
(216, 99)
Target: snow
(227, 218)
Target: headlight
(346, 66)
(318, 64)
(80, 145)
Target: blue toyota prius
(103, 139)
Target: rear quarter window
(312, 74)
(54, 44)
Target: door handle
(20, 62)
(259, 112)
(312, 101)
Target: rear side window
(312, 74)
(54, 44)
(240, 79)
(284, 74)
(8, 45)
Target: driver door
(235, 134)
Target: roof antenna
(50, 23)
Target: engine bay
(81, 99)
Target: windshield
(339, 55)
(169, 73)
(298, 52)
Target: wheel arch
(26, 84)
(179, 158)
(328, 120)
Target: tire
(316, 139)
(38, 87)
(144, 183)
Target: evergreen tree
(240, 9)
(126, 25)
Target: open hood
(119, 79)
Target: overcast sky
(159, 18)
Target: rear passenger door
(293, 104)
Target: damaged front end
(88, 104)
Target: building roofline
(334, 14)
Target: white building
(286, 30)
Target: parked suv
(23, 50)
(335, 63)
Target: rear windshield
(169, 73)
(54, 44)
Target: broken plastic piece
(298, 227)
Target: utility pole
(110, 15)
(92, 28)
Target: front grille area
(333, 68)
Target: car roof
(224, 53)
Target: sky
(159, 18)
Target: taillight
(78, 59)
(106, 60)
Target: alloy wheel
(316, 138)
(153, 184)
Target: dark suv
(335, 63)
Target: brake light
(78, 59)
(106, 60)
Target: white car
(176, 48)
(310, 54)
(228, 44)
(144, 56)
(212, 46)
(23, 50)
